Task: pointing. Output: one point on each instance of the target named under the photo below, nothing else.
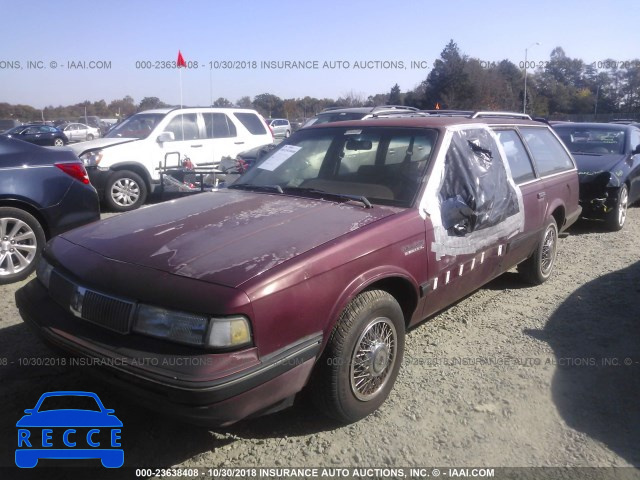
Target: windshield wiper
(322, 194)
(257, 188)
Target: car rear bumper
(79, 206)
(223, 400)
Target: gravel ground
(510, 376)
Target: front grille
(106, 311)
(95, 307)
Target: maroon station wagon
(310, 268)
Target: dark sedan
(608, 158)
(43, 192)
(39, 134)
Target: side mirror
(636, 150)
(166, 137)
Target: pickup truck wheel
(124, 191)
(362, 358)
(21, 242)
(616, 218)
(538, 267)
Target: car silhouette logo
(54, 430)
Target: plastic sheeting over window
(471, 199)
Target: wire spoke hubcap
(18, 246)
(373, 359)
(548, 251)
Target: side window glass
(519, 161)
(219, 125)
(547, 151)
(475, 193)
(184, 127)
(251, 122)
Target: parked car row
(310, 268)
(307, 271)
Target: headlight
(200, 330)
(43, 272)
(91, 159)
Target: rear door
(534, 197)
(556, 168)
(221, 137)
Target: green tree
(148, 103)
(222, 102)
(395, 97)
(269, 105)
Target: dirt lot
(510, 376)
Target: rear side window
(548, 153)
(251, 123)
(218, 125)
(519, 161)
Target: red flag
(437, 103)
(181, 62)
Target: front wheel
(362, 358)
(538, 267)
(287, 134)
(90, 137)
(58, 142)
(21, 242)
(616, 218)
(125, 190)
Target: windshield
(592, 140)
(385, 165)
(139, 125)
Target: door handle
(238, 143)
(196, 146)
(541, 195)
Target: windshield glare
(593, 140)
(385, 165)
(138, 126)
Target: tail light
(76, 170)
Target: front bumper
(598, 204)
(214, 389)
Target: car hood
(588, 165)
(224, 237)
(82, 147)
(69, 418)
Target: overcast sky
(117, 34)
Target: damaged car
(608, 158)
(308, 271)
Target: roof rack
(393, 107)
(402, 114)
(449, 113)
(489, 114)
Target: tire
(366, 343)
(21, 242)
(615, 219)
(58, 142)
(89, 137)
(287, 134)
(539, 266)
(125, 190)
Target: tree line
(560, 87)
